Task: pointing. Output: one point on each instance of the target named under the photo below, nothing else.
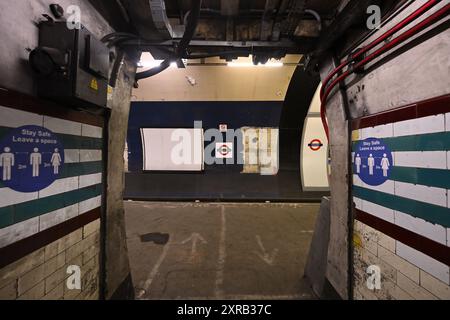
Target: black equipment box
(73, 66)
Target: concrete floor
(219, 250)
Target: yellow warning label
(357, 240)
(94, 84)
(355, 135)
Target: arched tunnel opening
(224, 150)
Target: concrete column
(118, 284)
(337, 271)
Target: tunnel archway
(296, 105)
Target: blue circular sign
(372, 161)
(31, 158)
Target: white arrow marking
(194, 238)
(264, 255)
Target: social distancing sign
(372, 161)
(31, 158)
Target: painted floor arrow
(195, 238)
(268, 258)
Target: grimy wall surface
(43, 232)
(400, 217)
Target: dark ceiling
(269, 28)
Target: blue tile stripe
(429, 212)
(438, 178)
(23, 211)
(422, 142)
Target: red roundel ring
(224, 150)
(315, 145)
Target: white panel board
(171, 149)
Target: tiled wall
(78, 190)
(415, 198)
(76, 193)
(43, 273)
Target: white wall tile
(90, 155)
(357, 181)
(358, 203)
(90, 180)
(18, 231)
(437, 196)
(431, 124)
(383, 131)
(60, 186)
(427, 229)
(448, 237)
(9, 197)
(90, 204)
(53, 218)
(387, 187)
(447, 122)
(418, 159)
(71, 156)
(62, 126)
(378, 211)
(12, 118)
(424, 262)
(91, 131)
(448, 160)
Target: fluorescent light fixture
(153, 63)
(250, 64)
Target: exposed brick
(20, 267)
(71, 294)
(62, 244)
(435, 286)
(55, 294)
(90, 265)
(35, 293)
(386, 242)
(91, 252)
(54, 264)
(365, 293)
(416, 291)
(408, 269)
(393, 291)
(9, 292)
(369, 240)
(367, 258)
(91, 228)
(60, 275)
(82, 246)
(30, 279)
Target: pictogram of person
(358, 163)
(7, 162)
(35, 161)
(371, 164)
(385, 164)
(56, 161)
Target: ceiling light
(250, 64)
(153, 63)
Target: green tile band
(427, 177)
(23, 211)
(429, 212)
(422, 142)
(77, 169)
(70, 141)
